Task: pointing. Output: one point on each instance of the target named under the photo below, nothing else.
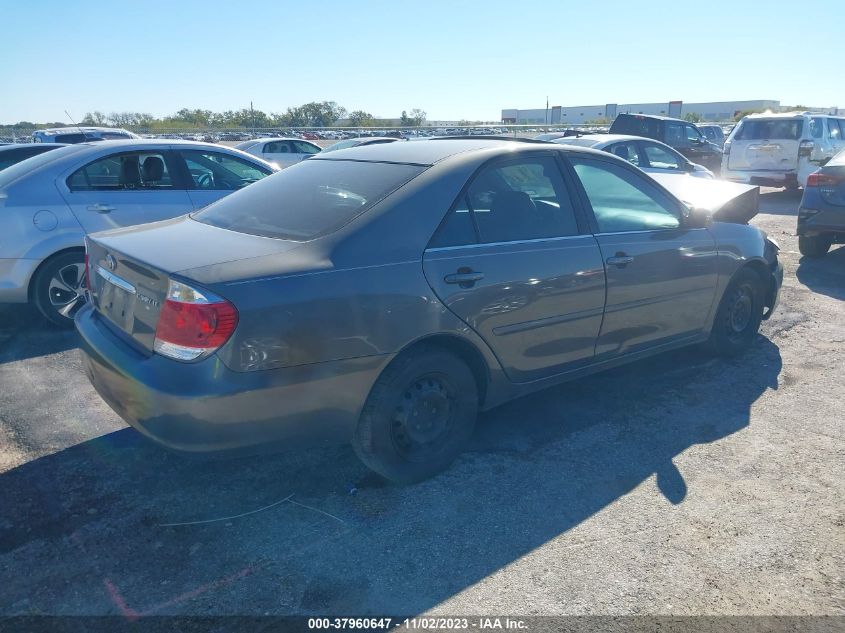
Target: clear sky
(456, 59)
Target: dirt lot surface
(678, 485)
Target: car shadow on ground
(24, 333)
(117, 526)
(782, 202)
(824, 275)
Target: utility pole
(547, 111)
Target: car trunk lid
(130, 269)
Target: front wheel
(740, 313)
(814, 246)
(58, 289)
(418, 417)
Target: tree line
(314, 114)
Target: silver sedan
(282, 151)
(48, 204)
(649, 155)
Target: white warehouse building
(713, 111)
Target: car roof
(430, 151)
(277, 138)
(433, 150)
(76, 129)
(651, 116)
(779, 115)
(20, 145)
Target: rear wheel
(58, 288)
(740, 313)
(418, 417)
(814, 246)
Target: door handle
(465, 278)
(620, 260)
(101, 208)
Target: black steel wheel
(419, 415)
(739, 315)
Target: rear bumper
(815, 222)
(15, 275)
(206, 407)
(762, 178)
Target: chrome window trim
(507, 243)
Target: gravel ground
(679, 485)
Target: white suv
(78, 134)
(781, 150)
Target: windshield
(9, 175)
(770, 129)
(312, 198)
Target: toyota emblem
(110, 262)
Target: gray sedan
(49, 202)
(384, 294)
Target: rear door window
(675, 135)
(520, 200)
(835, 129)
(626, 150)
(128, 171)
(277, 147)
(312, 198)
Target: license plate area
(116, 299)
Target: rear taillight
(819, 179)
(805, 148)
(193, 323)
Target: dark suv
(680, 135)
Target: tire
(58, 286)
(428, 381)
(814, 246)
(739, 315)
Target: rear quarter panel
(359, 292)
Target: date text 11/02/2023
(419, 623)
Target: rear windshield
(768, 129)
(8, 176)
(310, 199)
(636, 126)
(574, 140)
(114, 135)
(71, 138)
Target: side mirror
(698, 218)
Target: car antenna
(75, 123)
